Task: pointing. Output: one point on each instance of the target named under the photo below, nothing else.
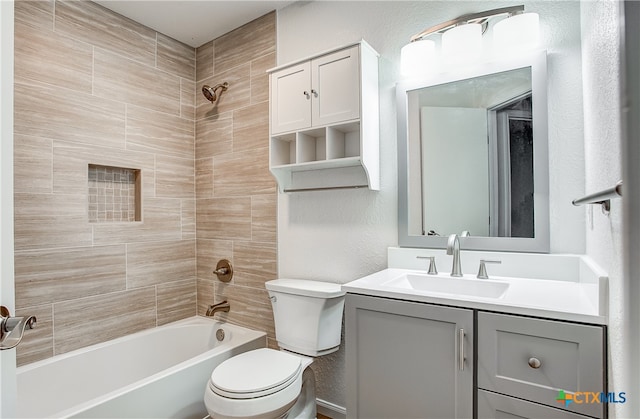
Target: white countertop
(581, 297)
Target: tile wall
(235, 193)
(92, 87)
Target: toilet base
(305, 406)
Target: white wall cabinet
(324, 121)
(408, 360)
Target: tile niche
(114, 194)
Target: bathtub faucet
(223, 306)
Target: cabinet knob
(306, 94)
(534, 363)
(315, 92)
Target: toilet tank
(307, 315)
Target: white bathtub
(157, 373)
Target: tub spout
(223, 306)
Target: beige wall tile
(49, 205)
(214, 135)
(264, 214)
(37, 343)
(47, 276)
(251, 127)
(236, 96)
(175, 57)
(125, 80)
(253, 40)
(35, 13)
(61, 114)
(92, 320)
(160, 262)
(54, 231)
(224, 218)
(250, 307)
(204, 178)
(188, 219)
(204, 61)
(255, 263)
(187, 99)
(243, 173)
(260, 78)
(205, 295)
(157, 132)
(96, 25)
(176, 300)
(160, 222)
(209, 252)
(175, 177)
(48, 57)
(48, 220)
(71, 162)
(32, 164)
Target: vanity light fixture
(462, 38)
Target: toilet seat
(256, 373)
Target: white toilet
(266, 383)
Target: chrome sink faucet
(453, 248)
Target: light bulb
(417, 57)
(462, 43)
(520, 31)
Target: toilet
(267, 383)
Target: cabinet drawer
(534, 359)
(492, 405)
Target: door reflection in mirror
(475, 146)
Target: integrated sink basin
(441, 283)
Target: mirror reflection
(473, 156)
(472, 140)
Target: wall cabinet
(408, 360)
(324, 119)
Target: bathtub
(157, 373)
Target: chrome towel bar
(325, 188)
(602, 197)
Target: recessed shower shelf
(113, 194)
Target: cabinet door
(406, 360)
(535, 359)
(335, 83)
(497, 406)
(291, 98)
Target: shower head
(210, 92)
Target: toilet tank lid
(306, 287)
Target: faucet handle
(482, 271)
(432, 264)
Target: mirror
(472, 157)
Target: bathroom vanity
(420, 345)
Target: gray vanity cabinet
(532, 359)
(408, 360)
(492, 406)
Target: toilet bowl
(268, 383)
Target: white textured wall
(342, 235)
(601, 80)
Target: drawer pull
(534, 363)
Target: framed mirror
(473, 157)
